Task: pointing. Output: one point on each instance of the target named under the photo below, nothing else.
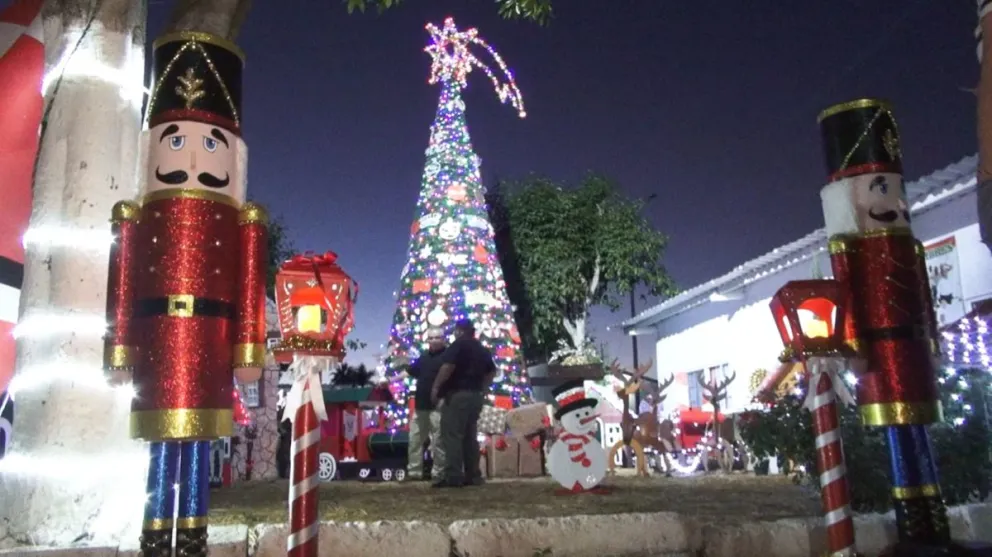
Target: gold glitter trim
(157, 524)
(853, 105)
(249, 355)
(200, 37)
(252, 213)
(920, 249)
(182, 423)
(119, 357)
(180, 305)
(190, 193)
(124, 211)
(901, 413)
(841, 243)
(303, 343)
(190, 522)
(916, 492)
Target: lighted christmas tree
(452, 271)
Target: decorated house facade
(724, 327)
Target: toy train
(356, 443)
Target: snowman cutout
(577, 460)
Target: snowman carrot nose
(586, 420)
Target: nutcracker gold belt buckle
(180, 305)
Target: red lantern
(316, 300)
(809, 314)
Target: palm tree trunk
(70, 476)
(223, 18)
(985, 132)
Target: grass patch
(731, 498)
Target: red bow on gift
(501, 444)
(327, 258)
(535, 443)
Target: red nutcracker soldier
(186, 297)
(890, 321)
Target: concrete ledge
(626, 535)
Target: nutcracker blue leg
(194, 494)
(920, 512)
(156, 531)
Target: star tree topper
(453, 61)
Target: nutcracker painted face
(187, 154)
(879, 202)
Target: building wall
(742, 335)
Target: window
(250, 397)
(695, 389)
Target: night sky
(709, 104)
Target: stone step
(623, 535)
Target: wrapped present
(502, 457)
(492, 421)
(529, 419)
(531, 461)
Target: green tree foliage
(961, 443)
(579, 247)
(535, 10)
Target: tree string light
(453, 61)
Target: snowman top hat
(570, 397)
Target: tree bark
(74, 478)
(223, 18)
(985, 133)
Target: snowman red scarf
(576, 446)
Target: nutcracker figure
(186, 300)
(889, 319)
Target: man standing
(426, 419)
(467, 371)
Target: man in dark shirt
(467, 372)
(426, 419)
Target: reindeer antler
(617, 372)
(640, 370)
(663, 386)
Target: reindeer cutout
(630, 384)
(655, 434)
(719, 437)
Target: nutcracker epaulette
(124, 211)
(253, 213)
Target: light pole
(633, 313)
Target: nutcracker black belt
(183, 305)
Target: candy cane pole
(834, 490)
(305, 407)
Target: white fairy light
(83, 62)
(49, 236)
(39, 324)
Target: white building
(725, 324)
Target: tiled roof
(922, 194)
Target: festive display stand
(356, 442)
(315, 300)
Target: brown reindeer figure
(719, 436)
(651, 433)
(630, 384)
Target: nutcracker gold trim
(901, 413)
(200, 37)
(852, 105)
(190, 193)
(841, 243)
(157, 524)
(124, 211)
(180, 305)
(190, 522)
(119, 357)
(253, 213)
(249, 355)
(916, 492)
(182, 424)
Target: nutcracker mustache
(888, 216)
(177, 177)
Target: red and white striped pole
(305, 407)
(834, 489)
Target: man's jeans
(459, 434)
(424, 423)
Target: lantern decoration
(315, 299)
(806, 313)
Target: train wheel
(386, 474)
(399, 474)
(327, 467)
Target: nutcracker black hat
(571, 396)
(860, 137)
(197, 76)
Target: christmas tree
(452, 271)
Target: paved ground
(735, 498)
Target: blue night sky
(710, 104)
